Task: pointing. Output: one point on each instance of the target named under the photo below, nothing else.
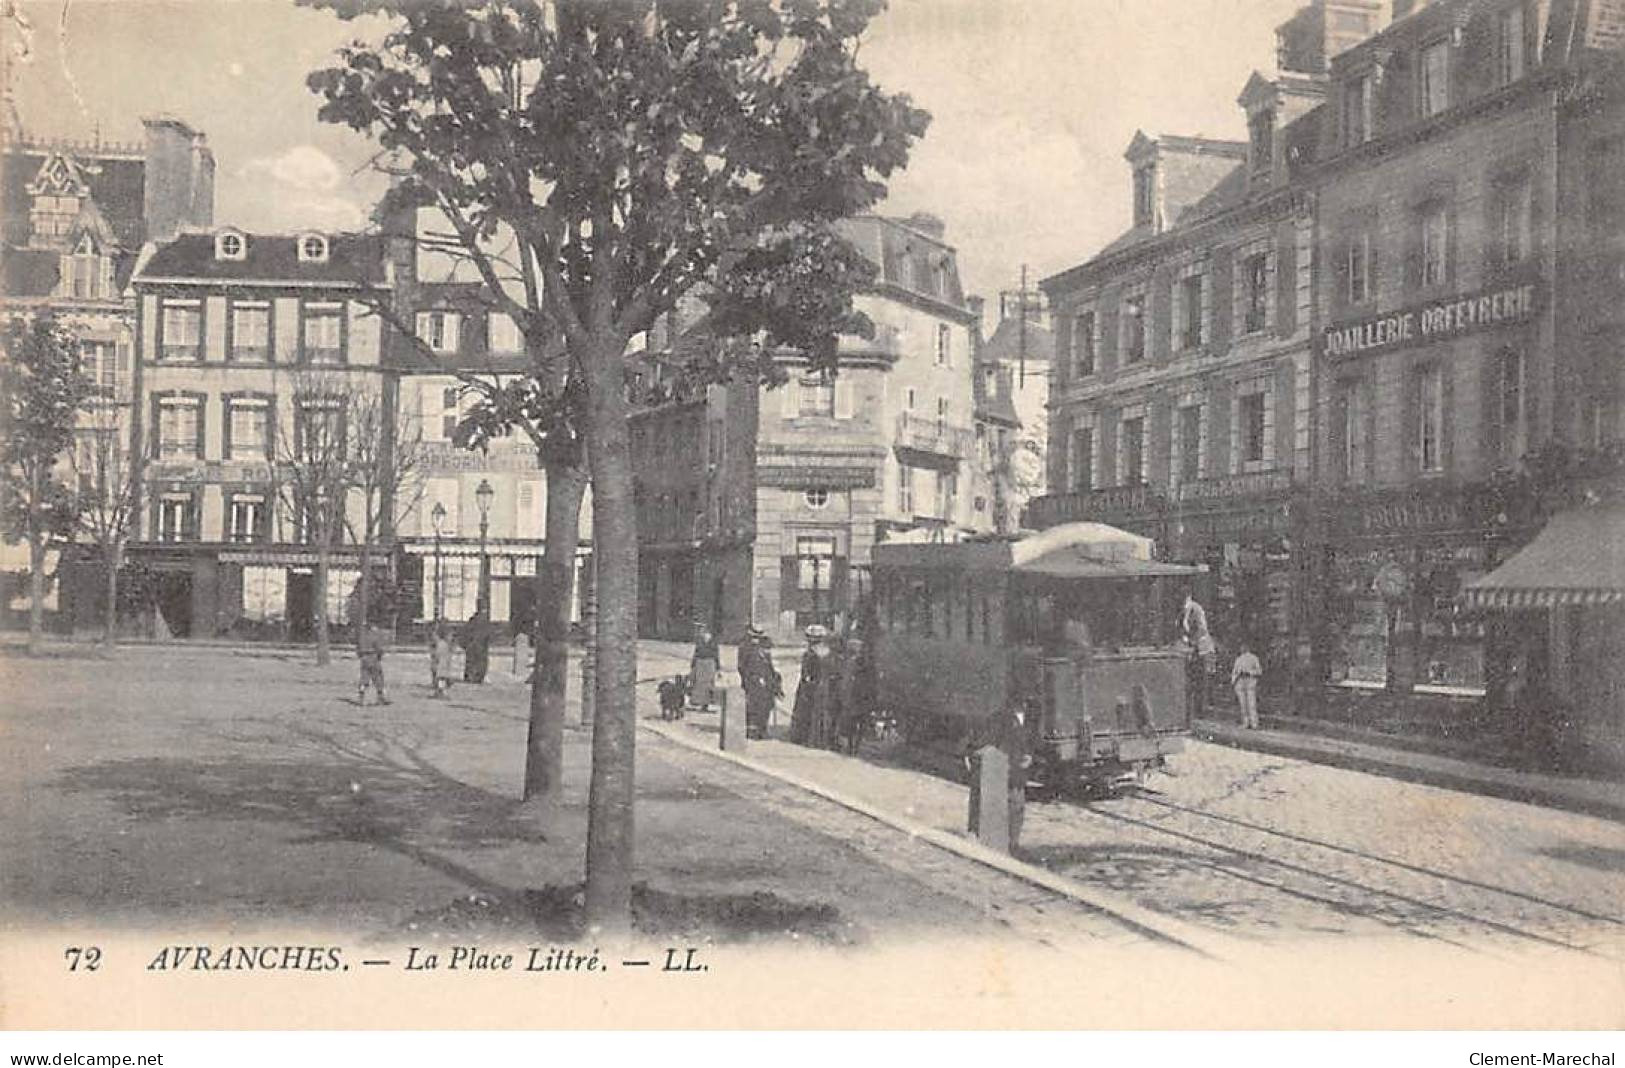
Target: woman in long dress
(703, 671)
(812, 722)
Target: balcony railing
(922, 434)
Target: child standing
(1244, 676)
(440, 660)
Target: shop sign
(1437, 320)
(792, 476)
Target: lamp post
(438, 517)
(482, 497)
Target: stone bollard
(734, 735)
(990, 798)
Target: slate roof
(352, 259)
(117, 185)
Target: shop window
(815, 563)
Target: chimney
(179, 181)
(1306, 43)
(927, 223)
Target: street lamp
(438, 517)
(482, 497)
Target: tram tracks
(1406, 897)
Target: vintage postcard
(815, 514)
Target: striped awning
(1578, 560)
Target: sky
(1033, 103)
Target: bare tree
(107, 479)
(314, 476)
(385, 468)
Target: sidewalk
(1345, 749)
(1594, 797)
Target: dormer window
(1261, 127)
(230, 246)
(312, 248)
(1144, 186)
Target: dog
(673, 697)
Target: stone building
(1013, 370)
(75, 217)
(248, 348)
(1180, 396)
(1467, 173)
(879, 450)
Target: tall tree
(42, 389)
(635, 149)
(107, 483)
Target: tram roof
(1068, 550)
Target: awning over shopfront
(1579, 559)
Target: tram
(1075, 626)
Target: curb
(1355, 756)
(1136, 917)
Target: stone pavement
(1574, 793)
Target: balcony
(932, 437)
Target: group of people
(1245, 671)
(474, 636)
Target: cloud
(301, 167)
(299, 188)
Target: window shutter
(792, 395)
(454, 323)
(1065, 328)
(843, 398)
(155, 445)
(202, 423)
(423, 327)
(1223, 301)
(1159, 450)
(1219, 417)
(1108, 447)
(1286, 280)
(1108, 331)
(227, 412)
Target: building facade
(250, 348)
(881, 449)
(76, 216)
(1469, 318)
(1012, 385)
(1181, 393)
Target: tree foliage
(43, 390)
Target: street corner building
(1319, 357)
(762, 504)
(76, 215)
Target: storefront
(444, 581)
(1392, 567)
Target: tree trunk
(36, 590)
(544, 750)
(615, 551)
(110, 556)
(36, 564)
(323, 652)
(364, 589)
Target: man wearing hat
(759, 678)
